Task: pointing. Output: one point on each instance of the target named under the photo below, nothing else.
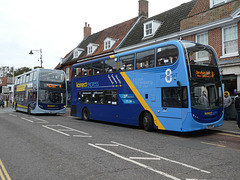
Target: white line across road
(153, 157)
(67, 131)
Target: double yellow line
(3, 172)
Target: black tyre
(147, 121)
(85, 114)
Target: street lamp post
(40, 52)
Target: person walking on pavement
(237, 106)
(227, 103)
(2, 103)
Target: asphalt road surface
(67, 148)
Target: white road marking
(41, 120)
(62, 129)
(135, 162)
(12, 115)
(55, 130)
(144, 158)
(166, 159)
(27, 119)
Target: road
(63, 147)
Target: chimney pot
(87, 30)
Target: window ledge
(229, 55)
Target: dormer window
(91, 48)
(77, 52)
(108, 43)
(150, 28)
(214, 3)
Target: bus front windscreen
(204, 77)
(52, 89)
(206, 95)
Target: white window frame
(91, 48)
(231, 54)
(150, 28)
(77, 52)
(108, 43)
(204, 41)
(214, 3)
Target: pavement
(229, 126)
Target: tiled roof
(117, 32)
(171, 24)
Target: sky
(56, 26)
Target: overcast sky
(56, 26)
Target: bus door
(173, 107)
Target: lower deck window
(111, 97)
(175, 97)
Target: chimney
(143, 8)
(87, 30)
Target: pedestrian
(237, 106)
(2, 103)
(227, 104)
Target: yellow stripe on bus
(141, 100)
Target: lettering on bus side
(87, 84)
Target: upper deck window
(126, 63)
(145, 59)
(167, 55)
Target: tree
(21, 70)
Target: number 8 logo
(168, 77)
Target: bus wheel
(85, 114)
(29, 110)
(147, 121)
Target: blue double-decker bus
(41, 91)
(175, 85)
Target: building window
(108, 43)
(77, 52)
(150, 28)
(91, 48)
(203, 39)
(90, 51)
(230, 41)
(218, 2)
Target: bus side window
(175, 97)
(86, 97)
(87, 70)
(34, 75)
(167, 55)
(145, 59)
(97, 68)
(76, 72)
(111, 65)
(27, 77)
(126, 63)
(97, 97)
(31, 76)
(111, 97)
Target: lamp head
(31, 52)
